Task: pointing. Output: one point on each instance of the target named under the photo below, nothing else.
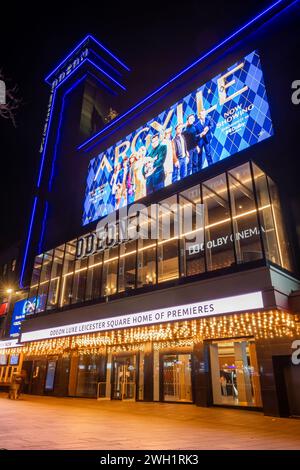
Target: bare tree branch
(13, 101)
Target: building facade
(160, 262)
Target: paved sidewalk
(73, 423)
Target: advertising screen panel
(222, 117)
(22, 308)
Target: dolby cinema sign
(238, 303)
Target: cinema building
(165, 319)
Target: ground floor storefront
(165, 374)
(237, 360)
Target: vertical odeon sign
(62, 76)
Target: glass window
(127, 266)
(56, 272)
(79, 282)
(218, 229)
(266, 216)
(167, 246)
(110, 271)
(235, 373)
(93, 283)
(35, 278)
(146, 250)
(124, 377)
(244, 215)
(68, 273)
(128, 254)
(91, 371)
(191, 232)
(283, 244)
(177, 377)
(44, 281)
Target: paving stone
(36, 422)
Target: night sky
(156, 39)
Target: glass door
(235, 373)
(177, 381)
(124, 378)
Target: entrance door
(38, 377)
(235, 373)
(124, 378)
(177, 381)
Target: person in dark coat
(205, 125)
(153, 169)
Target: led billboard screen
(22, 309)
(227, 114)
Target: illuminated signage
(221, 306)
(92, 243)
(227, 114)
(11, 343)
(3, 308)
(21, 310)
(70, 67)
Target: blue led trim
(59, 127)
(89, 36)
(43, 226)
(109, 53)
(105, 73)
(28, 240)
(182, 72)
(105, 62)
(66, 58)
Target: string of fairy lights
(260, 325)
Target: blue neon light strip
(44, 153)
(48, 130)
(52, 107)
(59, 127)
(105, 73)
(182, 72)
(28, 240)
(43, 226)
(109, 53)
(89, 36)
(214, 49)
(56, 146)
(46, 140)
(66, 58)
(105, 62)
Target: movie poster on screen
(222, 117)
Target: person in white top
(169, 161)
